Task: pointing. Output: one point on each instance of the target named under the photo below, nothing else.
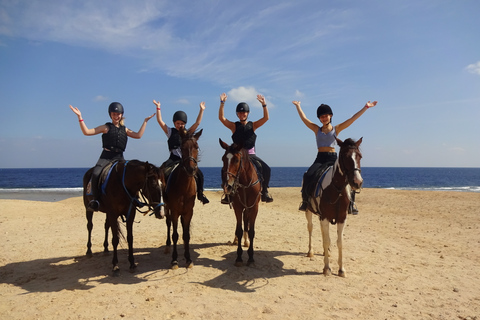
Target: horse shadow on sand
(84, 273)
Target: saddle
(102, 179)
(319, 180)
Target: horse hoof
(190, 265)
(133, 267)
(174, 266)
(116, 270)
(341, 273)
(310, 254)
(327, 272)
(238, 263)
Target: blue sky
(420, 59)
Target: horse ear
(339, 142)
(359, 142)
(198, 134)
(223, 144)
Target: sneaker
(93, 205)
(267, 197)
(225, 200)
(303, 206)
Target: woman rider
(174, 142)
(114, 142)
(325, 136)
(243, 133)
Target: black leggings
(105, 158)
(323, 160)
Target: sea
(54, 184)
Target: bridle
(236, 184)
(186, 159)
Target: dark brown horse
(333, 199)
(243, 187)
(127, 182)
(180, 192)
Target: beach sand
(408, 255)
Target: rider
(244, 134)
(325, 136)
(114, 139)
(174, 143)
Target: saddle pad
(320, 181)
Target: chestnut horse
(243, 187)
(180, 192)
(125, 184)
(333, 199)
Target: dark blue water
(449, 179)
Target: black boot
(202, 198)
(225, 199)
(266, 197)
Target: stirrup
(303, 206)
(225, 200)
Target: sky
(419, 59)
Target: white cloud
(474, 68)
(100, 98)
(299, 94)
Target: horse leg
(326, 245)
(105, 242)
(246, 238)
(309, 216)
(169, 240)
(186, 239)
(239, 234)
(89, 229)
(174, 262)
(115, 240)
(251, 236)
(341, 269)
(131, 259)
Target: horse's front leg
(251, 236)
(186, 238)
(105, 242)
(174, 262)
(341, 269)
(131, 259)
(169, 227)
(324, 224)
(89, 229)
(309, 216)
(115, 240)
(239, 234)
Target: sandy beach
(408, 255)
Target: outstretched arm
(312, 126)
(342, 126)
(260, 122)
(139, 134)
(85, 130)
(221, 114)
(159, 117)
(199, 118)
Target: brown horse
(180, 192)
(126, 183)
(334, 198)
(243, 187)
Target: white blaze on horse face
(230, 178)
(357, 177)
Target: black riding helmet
(115, 107)
(180, 115)
(324, 109)
(243, 107)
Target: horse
(125, 183)
(333, 200)
(180, 192)
(243, 187)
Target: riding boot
(94, 205)
(200, 195)
(304, 204)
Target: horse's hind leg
(341, 269)
(309, 216)
(251, 236)
(115, 241)
(326, 245)
(168, 244)
(131, 258)
(105, 242)
(89, 229)
(175, 237)
(186, 239)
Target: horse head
(190, 151)
(349, 161)
(232, 164)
